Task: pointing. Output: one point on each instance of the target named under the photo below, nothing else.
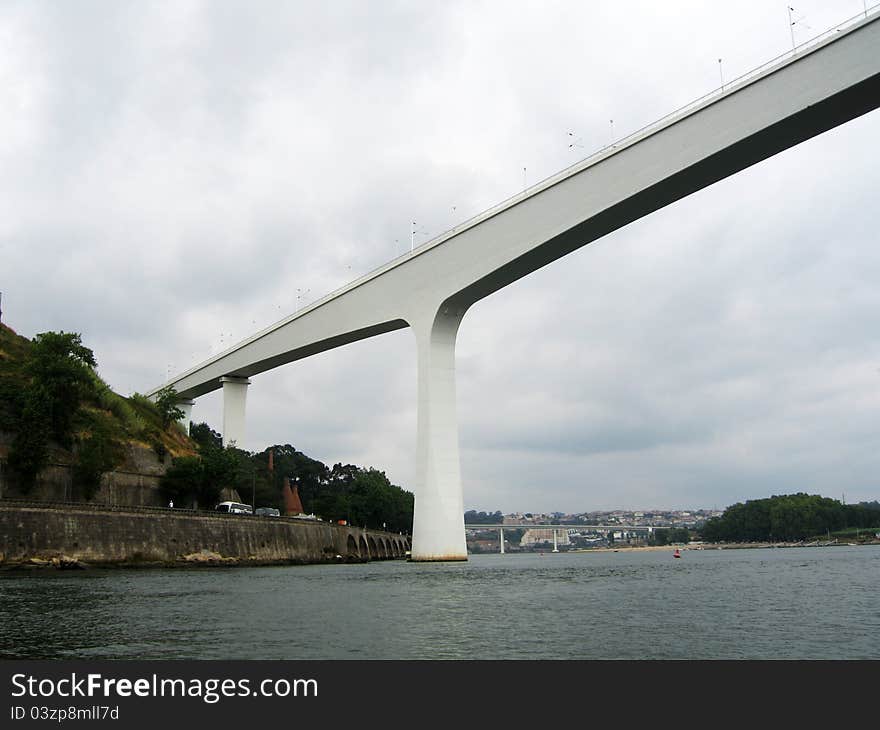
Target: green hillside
(54, 406)
(55, 409)
(14, 350)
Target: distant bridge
(566, 527)
(816, 87)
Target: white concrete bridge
(813, 89)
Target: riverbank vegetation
(791, 519)
(346, 492)
(788, 518)
(56, 409)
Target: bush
(96, 454)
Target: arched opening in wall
(374, 549)
(352, 548)
(364, 550)
(385, 549)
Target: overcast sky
(175, 176)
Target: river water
(791, 603)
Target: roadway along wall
(65, 536)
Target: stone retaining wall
(99, 536)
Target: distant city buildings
(642, 518)
(536, 536)
(635, 527)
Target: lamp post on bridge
(412, 238)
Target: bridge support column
(234, 398)
(438, 520)
(555, 544)
(501, 538)
(187, 407)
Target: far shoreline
(704, 546)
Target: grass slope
(133, 421)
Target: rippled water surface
(795, 603)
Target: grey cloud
(176, 171)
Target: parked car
(267, 512)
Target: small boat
(676, 554)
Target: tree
(345, 492)
(677, 534)
(659, 537)
(786, 517)
(61, 366)
(364, 497)
(513, 536)
(204, 435)
(472, 517)
(29, 451)
(96, 454)
(311, 477)
(199, 480)
(166, 402)
(182, 481)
